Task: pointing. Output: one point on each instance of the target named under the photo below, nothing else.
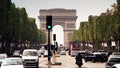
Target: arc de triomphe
(64, 17)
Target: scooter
(79, 63)
(79, 60)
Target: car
(94, 57)
(46, 53)
(83, 53)
(12, 62)
(2, 57)
(112, 59)
(116, 66)
(30, 58)
(41, 51)
(89, 57)
(104, 54)
(116, 53)
(62, 52)
(16, 53)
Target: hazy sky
(84, 7)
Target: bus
(74, 48)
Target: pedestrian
(79, 60)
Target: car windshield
(30, 53)
(12, 62)
(117, 60)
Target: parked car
(12, 63)
(113, 59)
(30, 58)
(2, 57)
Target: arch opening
(58, 30)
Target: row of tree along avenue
(101, 31)
(16, 27)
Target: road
(68, 62)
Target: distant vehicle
(2, 57)
(113, 59)
(12, 63)
(116, 66)
(46, 53)
(62, 52)
(61, 48)
(89, 57)
(115, 53)
(16, 53)
(94, 57)
(30, 58)
(74, 48)
(104, 54)
(83, 53)
(41, 51)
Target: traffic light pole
(49, 50)
(49, 27)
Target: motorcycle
(79, 60)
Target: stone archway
(64, 17)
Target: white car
(45, 53)
(41, 51)
(116, 66)
(30, 58)
(12, 62)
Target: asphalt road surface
(68, 62)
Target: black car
(89, 57)
(94, 57)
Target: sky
(84, 7)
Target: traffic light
(54, 37)
(48, 22)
